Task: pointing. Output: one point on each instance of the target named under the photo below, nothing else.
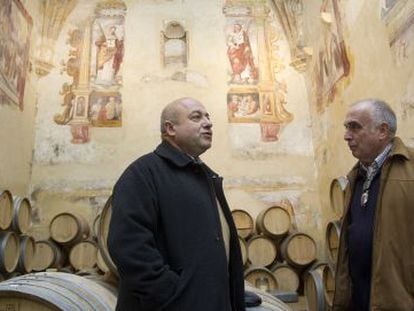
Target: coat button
(217, 238)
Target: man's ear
(169, 128)
(384, 131)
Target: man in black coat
(171, 234)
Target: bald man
(171, 234)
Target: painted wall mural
(15, 30)
(399, 20)
(332, 63)
(254, 94)
(107, 50)
(243, 69)
(93, 99)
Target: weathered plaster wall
(377, 71)
(257, 174)
(299, 166)
(17, 129)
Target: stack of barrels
(64, 272)
(71, 247)
(17, 248)
(276, 255)
(320, 283)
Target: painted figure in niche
(80, 106)
(240, 55)
(267, 105)
(109, 54)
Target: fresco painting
(15, 30)
(241, 52)
(332, 63)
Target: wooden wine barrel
(274, 222)
(6, 209)
(337, 193)
(333, 230)
(261, 278)
(244, 223)
(298, 249)
(313, 289)
(83, 255)
(243, 248)
(269, 302)
(49, 291)
(104, 220)
(100, 262)
(48, 255)
(22, 215)
(95, 226)
(261, 251)
(27, 254)
(287, 278)
(328, 280)
(68, 229)
(9, 251)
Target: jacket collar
(398, 149)
(167, 151)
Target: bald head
(171, 112)
(186, 125)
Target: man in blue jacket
(171, 234)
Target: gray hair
(381, 113)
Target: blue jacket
(165, 237)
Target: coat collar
(398, 150)
(167, 151)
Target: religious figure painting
(242, 52)
(15, 29)
(107, 51)
(105, 109)
(332, 61)
(243, 107)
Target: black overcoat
(165, 237)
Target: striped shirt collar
(380, 159)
